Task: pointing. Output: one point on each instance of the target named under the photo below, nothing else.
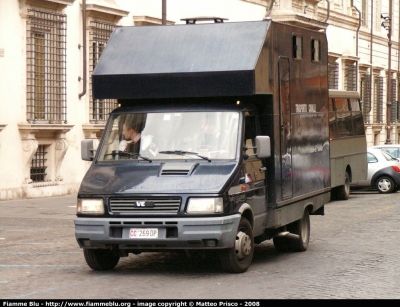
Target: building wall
(348, 43)
(19, 138)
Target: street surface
(353, 254)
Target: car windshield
(394, 151)
(388, 156)
(186, 135)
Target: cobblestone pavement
(353, 254)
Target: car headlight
(205, 205)
(90, 206)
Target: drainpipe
(398, 85)
(164, 12)
(269, 9)
(328, 11)
(370, 56)
(357, 34)
(84, 48)
(389, 77)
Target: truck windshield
(164, 136)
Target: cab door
(255, 170)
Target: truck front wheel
(101, 259)
(238, 258)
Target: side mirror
(87, 150)
(263, 146)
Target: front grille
(144, 205)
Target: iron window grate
(350, 73)
(333, 75)
(38, 165)
(394, 115)
(99, 35)
(378, 100)
(366, 97)
(46, 67)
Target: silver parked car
(383, 172)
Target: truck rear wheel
(343, 192)
(101, 259)
(301, 228)
(238, 258)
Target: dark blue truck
(234, 142)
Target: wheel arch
(246, 211)
(380, 173)
(309, 207)
(348, 170)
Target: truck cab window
(168, 136)
(252, 163)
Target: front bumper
(173, 233)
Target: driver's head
(133, 125)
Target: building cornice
(340, 19)
(104, 11)
(300, 20)
(350, 58)
(93, 131)
(57, 5)
(377, 39)
(43, 130)
(148, 20)
(334, 55)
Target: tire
(281, 244)
(385, 185)
(343, 192)
(238, 258)
(302, 229)
(101, 259)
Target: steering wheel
(210, 151)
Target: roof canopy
(194, 60)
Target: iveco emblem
(143, 204)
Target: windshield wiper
(127, 154)
(183, 153)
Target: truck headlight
(205, 205)
(90, 206)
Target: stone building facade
(49, 48)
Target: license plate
(143, 233)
